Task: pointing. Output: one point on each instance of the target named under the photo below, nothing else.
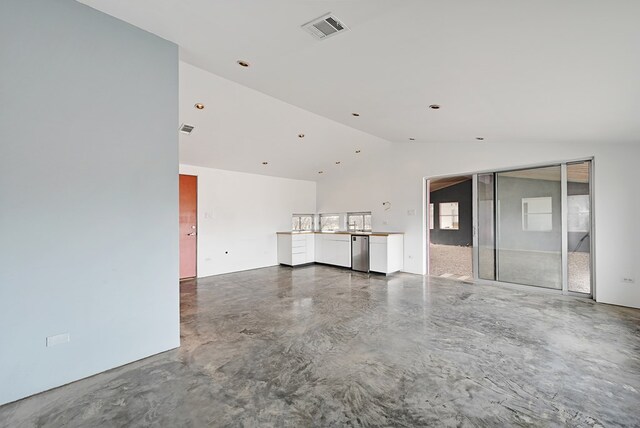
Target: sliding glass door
(529, 226)
(579, 227)
(533, 226)
(486, 226)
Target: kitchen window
(359, 222)
(329, 222)
(449, 219)
(302, 222)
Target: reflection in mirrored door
(579, 227)
(529, 227)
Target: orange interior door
(188, 225)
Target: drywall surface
(398, 175)
(88, 194)
(239, 215)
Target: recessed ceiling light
(338, 163)
(320, 172)
(434, 106)
(355, 114)
(357, 151)
(412, 139)
(300, 135)
(265, 163)
(199, 106)
(480, 138)
(243, 63)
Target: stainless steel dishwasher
(360, 253)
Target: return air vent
(186, 129)
(325, 26)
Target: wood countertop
(343, 233)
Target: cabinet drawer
(341, 237)
(378, 239)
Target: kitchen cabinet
(296, 249)
(322, 252)
(339, 247)
(385, 250)
(386, 253)
(333, 249)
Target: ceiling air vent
(186, 129)
(325, 26)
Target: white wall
(88, 194)
(397, 177)
(239, 215)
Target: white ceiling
(240, 128)
(511, 71)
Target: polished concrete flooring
(321, 346)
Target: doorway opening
(451, 227)
(188, 226)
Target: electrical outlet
(58, 339)
(628, 280)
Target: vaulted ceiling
(507, 71)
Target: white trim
(564, 236)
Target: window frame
(362, 214)
(299, 221)
(325, 215)
(453, 216)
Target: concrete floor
(324, 346)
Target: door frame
(197, 221)
(426, 218)
(592, 237)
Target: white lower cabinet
(340, 249)
(333, 249)
(378, 254)
(296, 249)
(320, 249)
(385, 252)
